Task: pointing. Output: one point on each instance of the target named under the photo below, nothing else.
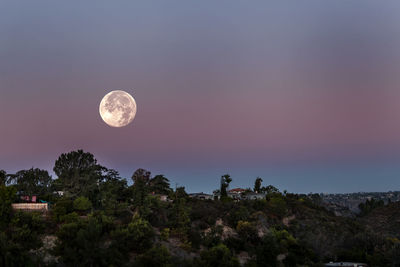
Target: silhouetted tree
(225, 180)
(270, 189)
(257, 185)
(114, 194)
(3, 177)
(32, 181)
(180, 192)
(140, 187)
(78, 173)
(159, 184)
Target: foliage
(164, 235)
(369, 205)
(270, 189)
(19, 239)
(179, 217)
(82, 204)
(218, 255)
(121, 228)
(159, 184)
(257, 185)
(240, 213)
(3, 177)
(180, 193)
(114, 196)
(137, 236)
(79, 174)
(7, 196)
(156, 256)
(81, 243)
(32, 182)
(278, 205)
(62, 207)
(247, 231)
(140, 187)
(225, 181)
(213, 237)
(204, 211)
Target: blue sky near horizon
(304, 94)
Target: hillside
(282, 231)
(98, 220)
(384, 220)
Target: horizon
(238, 179)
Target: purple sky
(303, 94)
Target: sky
(304, 94)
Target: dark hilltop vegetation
(91, 217)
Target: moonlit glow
(117, 108)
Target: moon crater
(117, 108)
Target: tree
(159, 184)
(267, 251)
(81, 243)
(156, 256)
(3, 177)
(180, 217)
(137, 237)
(225, 180)
(21, 237)
(180, 192)
(270, 189)
(140, 186)
(32, 182)
(140, 234)
(7, 196)
(278, 205)
(79, 174)
(62, 207)
(370, 205)
(217, 256)
(114, 194)
(82, 204)
(247, 231)
(238, 214)
(257, 185)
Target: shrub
(247, 231)
(278, 206)
(164, 234)
(140, 233)
(82, 204)
(218, 255)
(240, 214)
(63, 206)
(156, 256)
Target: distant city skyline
(304, 94)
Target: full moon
(117, 108)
